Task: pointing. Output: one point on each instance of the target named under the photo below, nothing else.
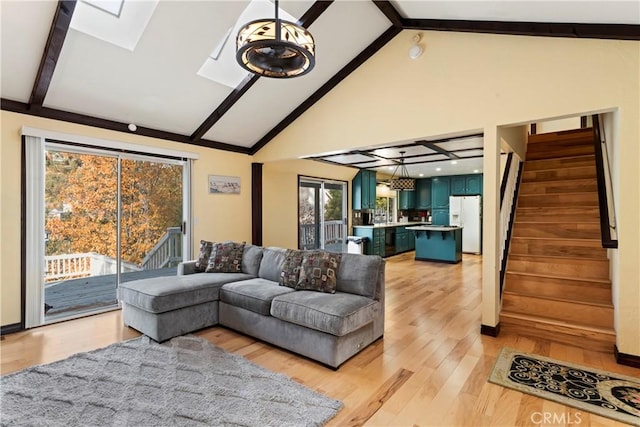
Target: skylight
(118, 22)
(113, 7)
(221, 66)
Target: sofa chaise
(326, 327)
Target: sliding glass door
(109, 217)
(322, 214)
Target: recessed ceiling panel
(461, 144)
(156, 85)
(426, 170)
(575, 11)
(350, 158)
(431, 158)
(341, 32)
(394, 152)
(24, 29)
(469, 153)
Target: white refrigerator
(465, 211)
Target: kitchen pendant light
(403, 182)
(275, 48)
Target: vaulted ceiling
(154, 77)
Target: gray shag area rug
(185, 381)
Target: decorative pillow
(204, 255)
(319, 271)
(291, 268)
(226, 258)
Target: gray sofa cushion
(271, 264)
(253, 295)
(358, 274)
(336, 314)
(160, 294)
(251, 259)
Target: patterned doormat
(603, 393)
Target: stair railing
(608, 230)
(508, 202)
(166, 253)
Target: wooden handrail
(505, 178)
(514, 205)
(603, 204)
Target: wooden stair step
(557, 149)
(599, 339)
(567, 230)
(561, 163)
(558, 214)
(580, 185)
(581, 134)
(570, 311)
(559, 174)
(590, 269)
(566, 199)
(579, 248)
(598, 291)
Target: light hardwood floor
(431, 368)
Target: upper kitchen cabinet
(363, 189)
(440, 192)
(466, 185)
(474, 184)
(406, 200)
(423, 193)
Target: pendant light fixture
(402, 182)
(275, 48)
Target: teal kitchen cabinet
(363, 190)
(458, 185)
(402, 240)
(423, 193)
(440, 192)
(440, 216)
(466, 185)
(473, 184)
(375, 242)
(406, 200)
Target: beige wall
(474, 81)
(280, 196)
(219, 217)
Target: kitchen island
(438, 243)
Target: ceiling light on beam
(275, 48)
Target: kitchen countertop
(393, 224)
(434, 228)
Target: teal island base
(438, 243)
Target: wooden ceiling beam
(540, 29)
(390, 12)
(81, 119)
(52, 49)
(309, 17)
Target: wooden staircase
(557, 283)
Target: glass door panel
(334, 213)
(322, 215)
(80, 233)
(151, 219)
(309, 215)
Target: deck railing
(333, 232)
(166, 253)
(89, 264)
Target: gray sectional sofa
(327, 327)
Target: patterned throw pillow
(204, 255)
(319, 271)
(291, 268)
(226, 258)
